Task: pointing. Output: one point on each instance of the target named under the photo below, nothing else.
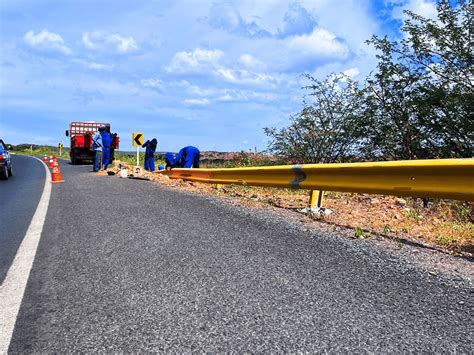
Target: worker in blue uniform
(97, 147)
(112, 143)
(188, 157)
(106, 141)
(150, 154)
(169, 160)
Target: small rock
(400, 201)
(123, 173)
(327, 212)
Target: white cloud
(203, 96)
(109, 41)
(425, 8)
(197, 61)
(251, 62)
(196, 102)
(98, 66)
(225, 16)
(46, 40)
(351, 72)
(87, 42)
(245, 77)
(297, 21)
(94, 65)
(319, 43)
(244, 96)
(205, 61)
(152, 83)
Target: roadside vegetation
(39, 150)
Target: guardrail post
(316, 199)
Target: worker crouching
(188, 157)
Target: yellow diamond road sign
(137, 139)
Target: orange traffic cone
(45, 159)
(56, 177)
(51, 161)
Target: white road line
(13, 287)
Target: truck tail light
(1, 156)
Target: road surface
(126, 265)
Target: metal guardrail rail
(440, 178)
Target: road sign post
(137, 141)
(60, 145)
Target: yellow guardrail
(440, 178)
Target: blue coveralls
(97, 146)
(169, 159)
(188, 157)
(149, 154)
(106, 141)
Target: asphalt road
(126, 265)
(19, 197)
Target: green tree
(326, 130)
(420, 99)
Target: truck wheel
(4, 173)
(73, 159)
(10, 171)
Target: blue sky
(207, 73)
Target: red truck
(81, 134)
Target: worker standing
(113, 143)
(97, 146)
(150, 154)
(188, 157)
(106, 141)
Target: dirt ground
(443, 225)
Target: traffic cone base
(56, 177)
